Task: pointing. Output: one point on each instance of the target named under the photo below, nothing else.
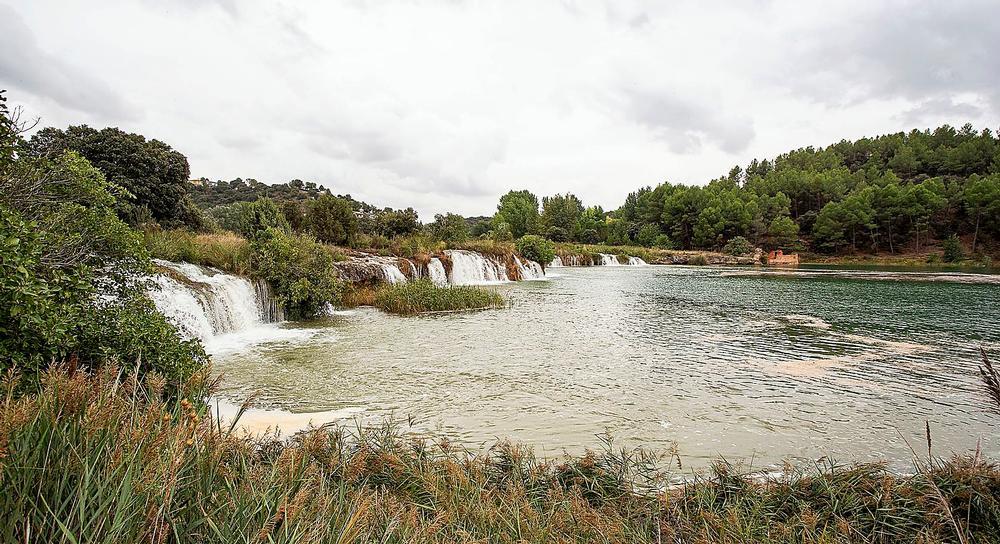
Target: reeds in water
(422, 296)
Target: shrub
(501, 232)
(952, 249)
(331, 219)
(299, 270)
(738, 246)
(698, 260)
(422, 296)
(249, 219)
(536, 248)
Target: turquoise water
(740, 363)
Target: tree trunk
(976, 233)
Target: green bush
(536, 248)
(331, 219)
(953, 251)
(738, 246)
(698, 260)
(299, 270)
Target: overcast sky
(444, 106)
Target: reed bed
(105, 459)
(422, 296)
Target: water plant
(422, 296)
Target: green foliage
(331, 220)
(519, 211)
(738, 246)
(225, 251)
(782, 231)
(422, 296)
(70, 276)
(663, 241)
(450, 228)
(501, 232)
(562, 211)
(536, 248)
(299, 270)
(648, 234)
(952, 247)
(152, 173)
(557, 234)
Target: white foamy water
(436, 272)
(609, 260)
(224, 311)
(636, 261)
(470, 268)
(530, 270)
(556, 262)
(393, 274)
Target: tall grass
(104, 459)
(422, 296)
(225, 251)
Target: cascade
(436, 272)
(393, 274)
(609, 260)
(530, 270)
(205, 302)
(556, 262)
(470, 268)
(636, 261)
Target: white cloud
(446, 105)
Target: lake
(745, 364)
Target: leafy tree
(617, 230)
(153, 174)
(259, 216)
(536, 248)
(450, 228)
(519, 210)
(393, 223)
(299, 270)
(330, 219)
(982, 199)
(501, 232)
(782, 231)
(663, 242)
(562, 211)
(648, 235)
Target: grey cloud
(919, 51)
(685, 124)
(937, 108)
(24, 65)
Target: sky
(444, 106)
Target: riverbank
(112, 461)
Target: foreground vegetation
(105, 458)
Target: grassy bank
(104, 459)
(422, 296)
(930, 259)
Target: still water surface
(721, 362)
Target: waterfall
(530, 270)
(393, 274)
(436, 272)
(636, 261)
(205, 302)
(556, 262)
(414, 269)
(470, 268)
(609, 260)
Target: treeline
(890, 193)
(893, 193)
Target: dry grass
(224, 250)
(105, 459)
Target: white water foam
(470, 268)
(393, 274)
(530, 270)
(436, 272)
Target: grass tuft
(422, 296)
